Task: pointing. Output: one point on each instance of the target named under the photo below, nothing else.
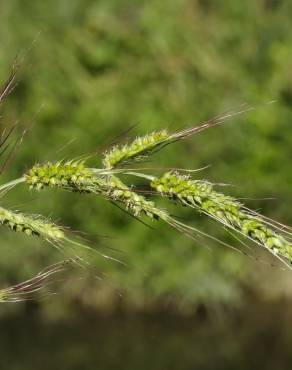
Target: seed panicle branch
(144, 146)
(70, 175)
(139, 149)
(38, 226)
(30, 225)
(201, 196)
(75, 176)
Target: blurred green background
(92, 70)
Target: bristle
(35, 286)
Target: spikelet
(224, 209)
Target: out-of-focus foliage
(97, 68)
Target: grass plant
(75, 175)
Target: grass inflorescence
(76, 176)
(201, 196)
(69, 175)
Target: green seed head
(137, 150)
(201, 196)
(73, 176)
(30, 225)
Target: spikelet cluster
(70, 175)
(137, 150)
(228, 211)
(30, 225)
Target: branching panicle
(76, 177)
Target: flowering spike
(30, 225)
(140, 148)
(71, 175)
(143, 146)
(224, 209)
